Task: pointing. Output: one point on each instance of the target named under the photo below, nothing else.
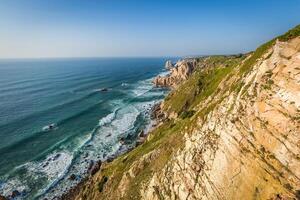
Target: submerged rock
(56, 156)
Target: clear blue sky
(90, 28)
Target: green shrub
(187, 114)
(102, 182)
(295, 32)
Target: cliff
(232, 131)
(178, 73)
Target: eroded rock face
(178, 73)
(249, 145)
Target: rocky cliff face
(178, 73)
(236, 134)
(248, 145)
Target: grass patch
(295, 32)
(260, 51)
(167, 138)
(187, 114)
(202, 84)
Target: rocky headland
(178, 73)
(229, 129)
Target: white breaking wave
(143, 87)
(106, 136)
(55, 166)
(12, 184)
(107, 119)
(164, 73)
(52, 169)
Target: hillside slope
(232, 132)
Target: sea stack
(169, 65)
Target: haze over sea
(89, 122)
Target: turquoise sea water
(89, 122)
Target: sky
(140, 28)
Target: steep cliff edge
(232, 132)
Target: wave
(30, 118)
(46, 87)
(126, 121)
(164, 73)
(45, 173)
(54, 168)
(37, 134)
(76, 79)
(107, 119)
(142, 87)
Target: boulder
(110, 159)
(15, 193)
(96, 167)
(140, 141)
(72, 177)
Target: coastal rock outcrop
(178, 73)
(169, 65)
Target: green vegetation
(164, 140)
(260, 51)
(187, 114)
(202, 84)
(295, 32)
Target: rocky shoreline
(157, 117)
(181, 71)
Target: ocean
(97, 105)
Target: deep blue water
(89, 122)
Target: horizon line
(95, 57)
